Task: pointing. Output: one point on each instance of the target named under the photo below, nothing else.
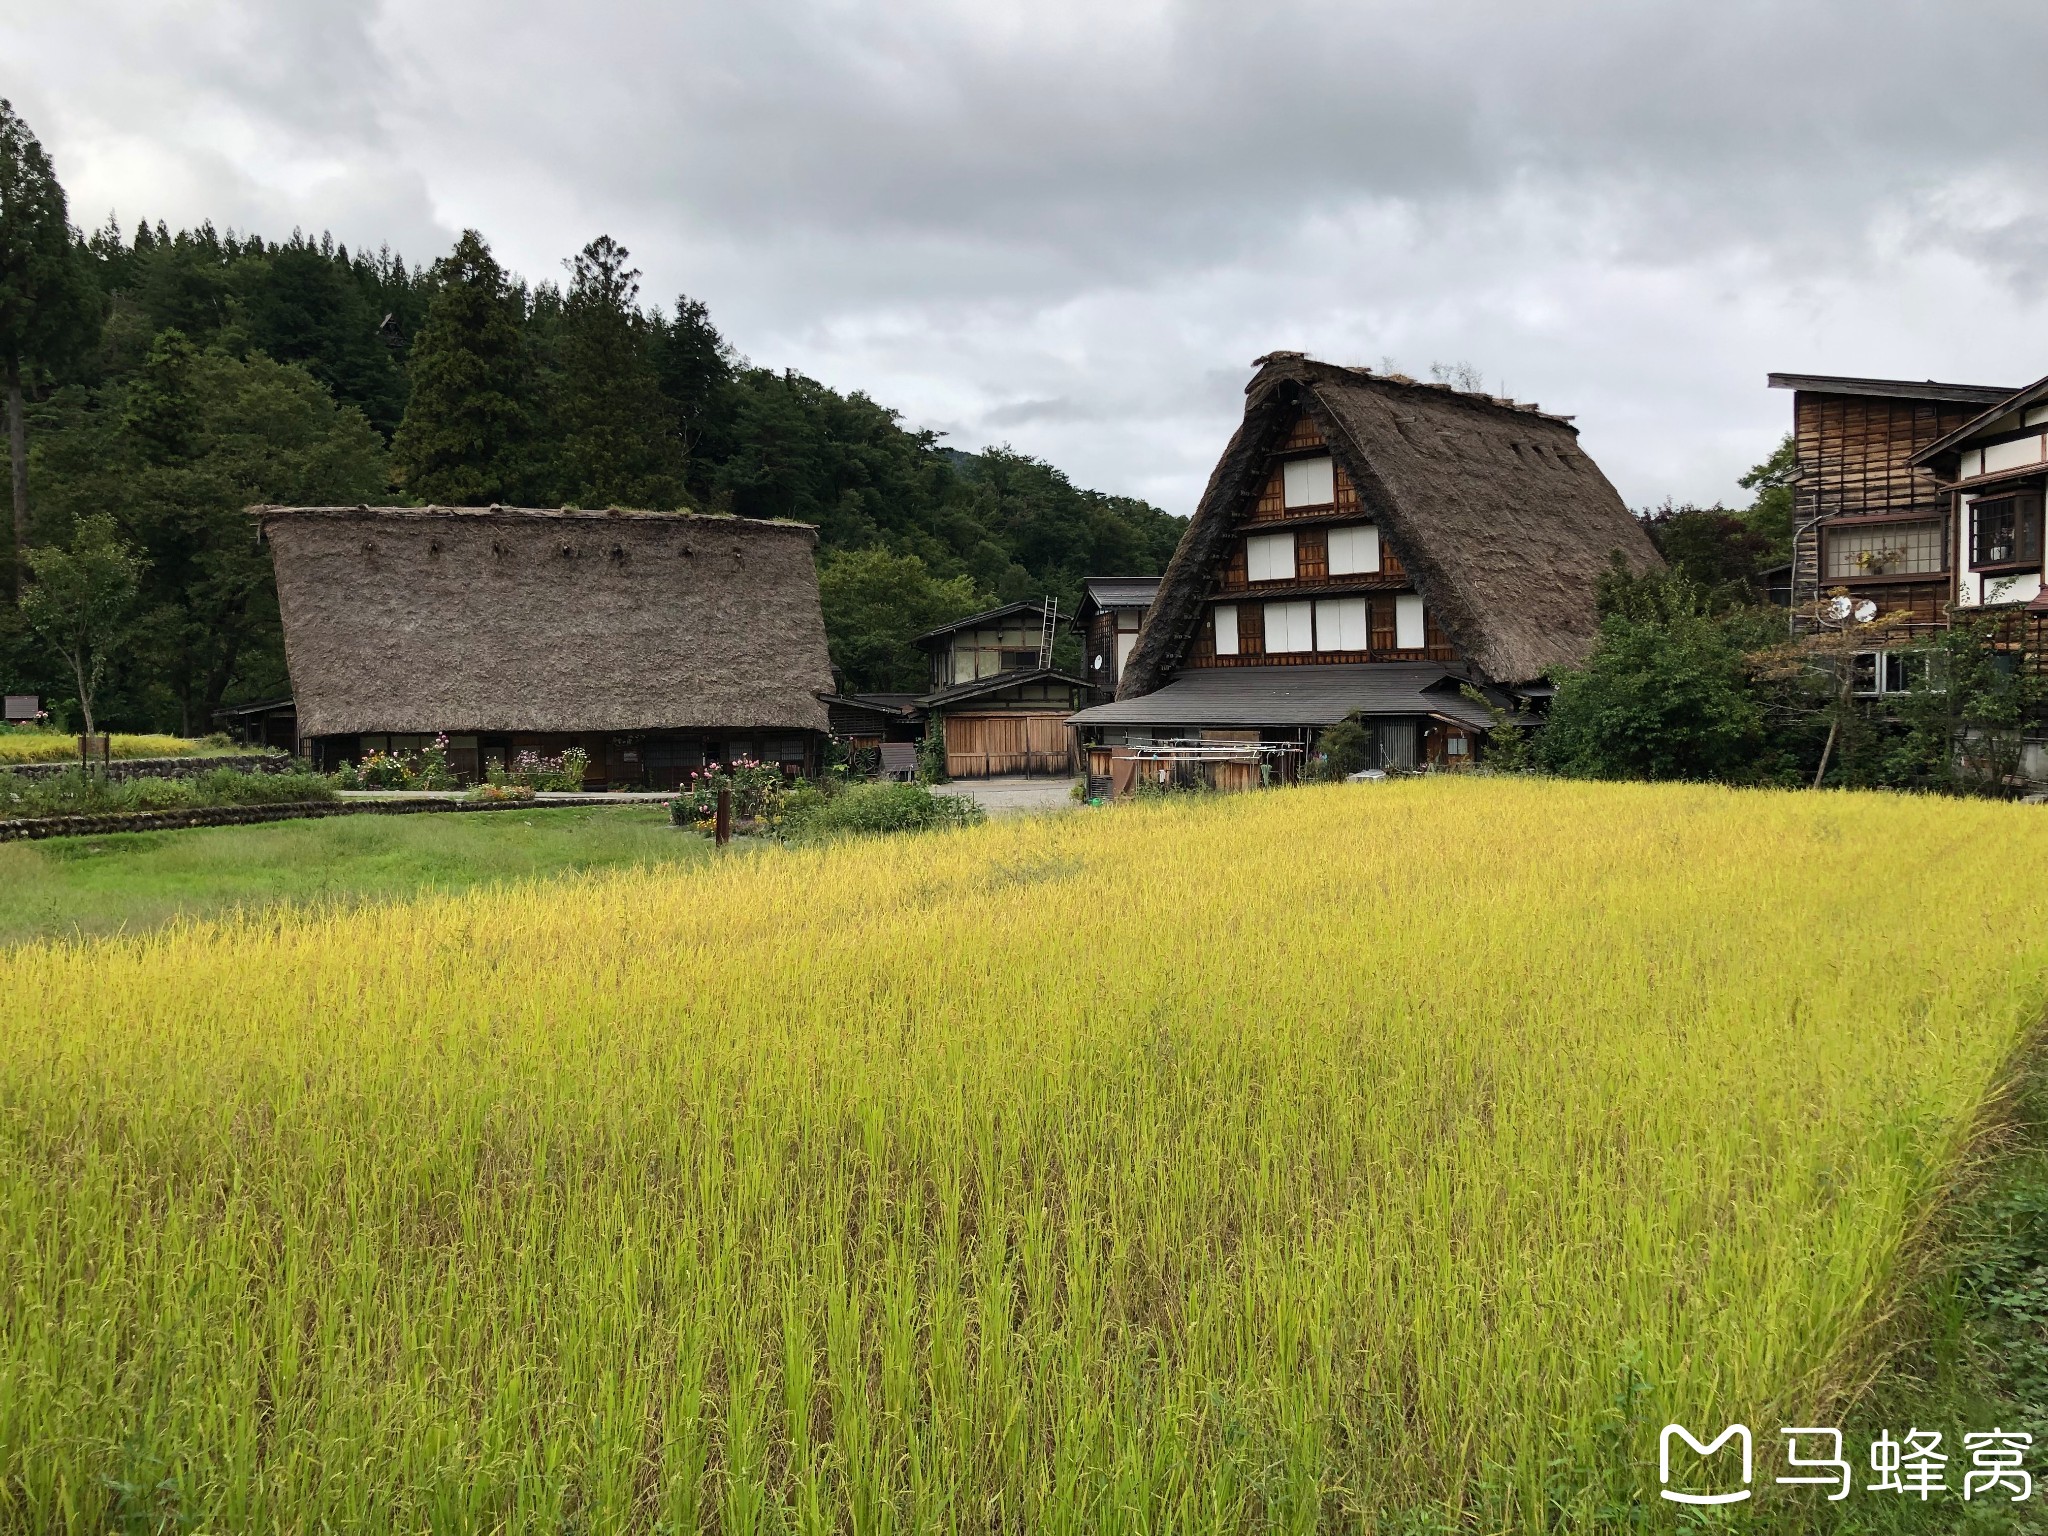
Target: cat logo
(1732, 1432)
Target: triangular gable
(1501, 522)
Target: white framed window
(1340, 624)
(1885, 549)
(1226, 629)
(1408, 628)
(1290, 627)
(1354, 551)
(1269, 557)
(1876, 672)
(1308, 483)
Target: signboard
(23, 706)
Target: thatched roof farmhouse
(1357, 520)
(654, 641)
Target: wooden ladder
(1051, 613)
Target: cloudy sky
(1071, 227)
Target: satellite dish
(1098, 664)
(1838, 609)
(1865, 611)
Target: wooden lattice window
(2005, 531)
(1303, 434)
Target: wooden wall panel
(1853, 453)
(980, 746)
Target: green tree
(1718, 551)
(1666, 694)
(1770, 515)
(694, 367)
(875, 604)
(463, 439)
(619, 444)
(48, 310)
(79, 602)
(305, 303)
(1977, 700)
(176, 455)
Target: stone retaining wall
(164, 767)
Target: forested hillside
(209, 371)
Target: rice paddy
(37, 746)
(1388, 1157)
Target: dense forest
(170, 378)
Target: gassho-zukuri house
(1367, 545)
(657, 642)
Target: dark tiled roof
(1294, 696)
(981, 686)
(1121, 591)
(2018, 401)
(876, 703)
(986, 616)
(1895, 389)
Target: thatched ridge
(542, 620)
(1502, 520)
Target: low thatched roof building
(535, 628)
(1357, 521)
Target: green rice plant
(860, 809)
(1392, 1157)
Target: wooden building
(867, 721)
(656, 642)
(1871, 519)
(1993, 472)
(1001, 702)
(270, 723)
(1367, 545)
(1112, 611)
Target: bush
(1342, 750)
(869, 808)
(931, 752)
(81, 794)
(1667, 692)
(757, 794)
(555, 775)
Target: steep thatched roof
(522, 619)
(1497, 513)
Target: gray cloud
(1072, 226)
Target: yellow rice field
(1332, 1157)
(50, 747)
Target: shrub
(432, 770)
(1342, 750)
(931, 752)
(757, 794)
(870, 808)
(555, 775)
(1666, 694)
(88, 794)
